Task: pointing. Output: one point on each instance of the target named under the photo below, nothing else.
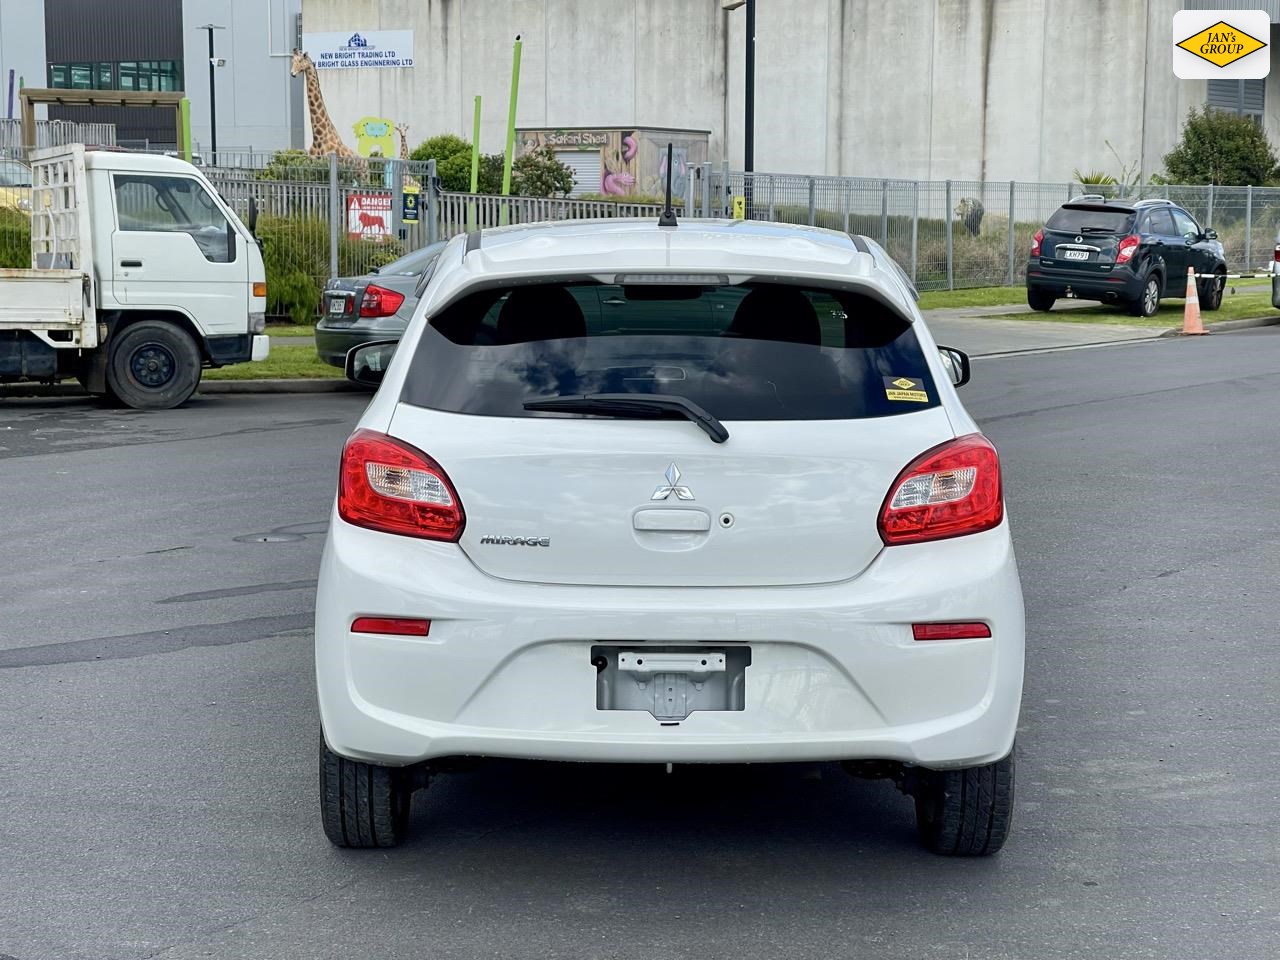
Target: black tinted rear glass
(750, 352)
(1085, 219)
(412, 264)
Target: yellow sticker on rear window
(906, 389)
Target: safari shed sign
(1221, 44)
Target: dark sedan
(376, 306)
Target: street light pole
(749, 133)
(749, 99)
(213, 96)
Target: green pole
(475, 167)
(511, 126)
(185, 109)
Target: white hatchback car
(701, 494)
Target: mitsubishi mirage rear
(701, 494)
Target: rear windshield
(412, 264)
(751, 352)
(1084, 219)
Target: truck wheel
(967, 812)
(362, 804)
(153, 366)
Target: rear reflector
(397, 626)
(950, 631)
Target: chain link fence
(319, 217)
(958, 233)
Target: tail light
(950, 631)
(949, 491)
(387, 485)
(1128, 247)
(1277, 256)
(380, 302)
(1035, 243)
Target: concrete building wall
(936, 89)
(258, 106)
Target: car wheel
(1038, 299)
(966, 812)
(1210, 291)
(1148, 301)
(153, 366)
(362, 804)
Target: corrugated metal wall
(89, 30)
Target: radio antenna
(668, 217)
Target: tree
(539, 174)
(536, 174)
(1221, 148)
(452, 155)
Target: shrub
(297, 166)
(295, 251)
(539, 173)
(15, 238)
(1220, 148)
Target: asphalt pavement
(158, 784)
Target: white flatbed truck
(141, 277)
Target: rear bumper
(332, 344)
(1121, 284)
(239, 348)
(506, 669)
(1275, 290)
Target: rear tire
(1148, 302)
(1038, 299)
(1210, 291)
(362, 804)
(153, 366)
(966, 812)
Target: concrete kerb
(299, 385)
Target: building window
(1245, 98)
(126, 75)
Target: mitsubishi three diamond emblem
(672, 485)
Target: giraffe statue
(324, 135)
(403, 130)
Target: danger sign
(369, 216)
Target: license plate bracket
(670, 682)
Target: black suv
(1123, 252)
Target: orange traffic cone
(1191, 325)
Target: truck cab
(169, 280)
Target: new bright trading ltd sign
(359, 48)
(369, 216)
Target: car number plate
(338, 305)
(1075, 254)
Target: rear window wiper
(634, 405)
(1093, 229)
